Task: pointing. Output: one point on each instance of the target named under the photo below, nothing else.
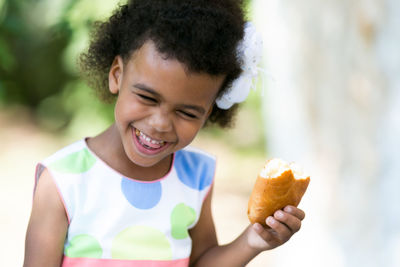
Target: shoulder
(62, 173)
(46, 188)
(70, 148)
(74, 158)
(195, 167)
(195, 154)
(46, 198)
(47, 226)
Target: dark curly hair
(202, 34)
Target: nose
(161, 120)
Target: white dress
(119, 221)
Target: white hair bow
(250, 52)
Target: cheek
(187, 131)
(120, 111)
(127, 110)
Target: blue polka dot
(141, 195)
(194, 169)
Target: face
(160, 106)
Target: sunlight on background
(331, 103)
(334, 105)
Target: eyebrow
(150, 90)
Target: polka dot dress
(119, 221)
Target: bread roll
(278, 184)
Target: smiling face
(160, 106)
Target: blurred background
(330, 101)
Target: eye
(147, 98)
(187, 115)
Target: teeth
(148, 139)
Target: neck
(108, 147)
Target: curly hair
(201, 34)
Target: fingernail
(257, 226)
(279, 214)
(287, 209)
(270, 220)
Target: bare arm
(47, 226)
(255, 239)
(207, 252)
(203, 234)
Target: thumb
(267, 235)
(258, 228)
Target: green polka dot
(141, 243)
(83, 246)
(77, 162)
(181, 218)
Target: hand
(282, 225)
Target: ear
(115, 75)
(210, 110)
(208, 114)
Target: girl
(135, 195)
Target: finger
(295, 212)
(291, 221)
(265, 234)
(283, 232)
(269, 236)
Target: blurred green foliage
(39, 43)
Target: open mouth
(147, 141)
(147, 144)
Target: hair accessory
(250, 52)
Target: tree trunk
(333, 104)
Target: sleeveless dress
(119, 221)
